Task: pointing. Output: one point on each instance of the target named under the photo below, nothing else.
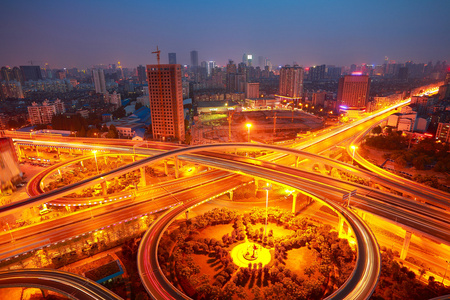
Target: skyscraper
(172, 58)
(166, 101)
(194, 59)
(31, 72)
(291, 82)
(141, 74)
(353, 91)
(98, 76)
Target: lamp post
(95, 155)
(445, 273)
(267, 188)
(248, 131)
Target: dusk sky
(84, 33)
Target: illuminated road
(360, 285)
(98, 217)
(426, 193)
(71, 285)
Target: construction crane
(33, 61)
(158, 52)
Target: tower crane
(158, 52)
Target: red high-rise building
(291, 83)
(166, 101)
(353, 91)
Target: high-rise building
(261, 62)
(443, 132)
(31, 72)
(141, 74)
(194, 59)
(172, 58)
(98, 76)
(231, 76)
(43, 114)
(9, 165)
(291, 82)
(6, 74)
(353, 91)
(210, 66)
(18, 75)
(166, 101)
(317, 73)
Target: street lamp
(267, 188)
(248, 132)
(95, 155)
(443, 278)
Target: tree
(377, 130)
(119, 113)
(138, 105)
(112, 133)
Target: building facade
(41, 114)
(194, 59)
(353, 91)
(252, 90)
(31, 72)
(98, 76)
(172, 58)
(166, 101)
(443, 132)
(291, 82)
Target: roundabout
(250, 253)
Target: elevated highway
(360, 285)
(70, 285)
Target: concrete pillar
(59, 151)
(103, 184)
(43, 293)
(406, 245)
(231, 195)
(177, 173)
(294, 202)
(297, 160)
(256, 183)
(166, 171)
(187, 215)
(143, 181)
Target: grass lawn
(207, 268)
(278, 231)
(298, 259)
(217, 231)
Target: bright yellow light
(353, 147)
(248, 125)
(94, 151)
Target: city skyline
(316, 33)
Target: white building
(41, 114)
(114, 99)
(98, 76)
